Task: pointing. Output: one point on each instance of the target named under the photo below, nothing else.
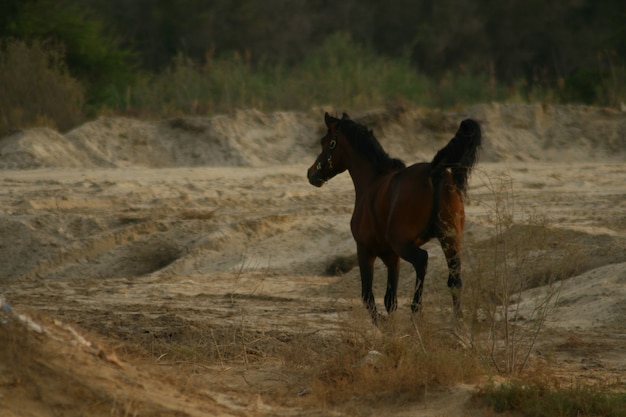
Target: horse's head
(330, 161)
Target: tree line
(577, 43)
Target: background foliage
(291, 54)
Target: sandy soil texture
(122, 236)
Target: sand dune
(250, 138)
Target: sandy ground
(122, 236)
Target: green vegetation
(339, 73)
(539, 399)
(36, 87)
(91, 55)
(188, 56)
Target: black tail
(460, 154)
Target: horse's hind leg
(418, 257)
(451, 249)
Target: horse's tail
(460, 155)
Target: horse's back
(411, 199)
(401, 208)
(393, 202)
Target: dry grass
(402, 363)
(398, 362)
(405, 356)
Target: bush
(92, 54)
(343, 73)
(36, 87)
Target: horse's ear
(328, 119)
(345, 117)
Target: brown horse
(398, 208)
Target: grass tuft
(540, 399)
(400, 364)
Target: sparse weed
(503, 324)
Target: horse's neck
(363, 174)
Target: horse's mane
(364, 142)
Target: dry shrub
(342, 265)
(37, 89)
(523, 253)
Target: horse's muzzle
(313, 176)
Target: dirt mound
(48, 368)
(248, 138)
(552, 133)
(40, 147)
(600, 292)
(251, 138)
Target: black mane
(364, 142)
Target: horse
(398, 209)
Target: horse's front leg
(366, 267)
(420, 263)
(392, 262)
